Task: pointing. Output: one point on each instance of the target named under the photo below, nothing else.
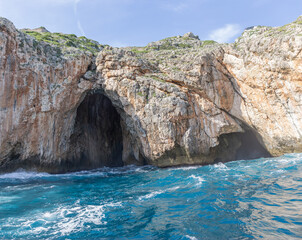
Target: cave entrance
(97, 140)
(250, 147)
(240, 146)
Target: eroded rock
(178, 101)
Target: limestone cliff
(178, 101)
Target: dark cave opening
(250, 147)
(240, 146)
(97, 140)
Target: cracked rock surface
(178, 101)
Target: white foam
(65, 220)
(191, 237)
(277, 171)
(6, 199)
(220, 166)
(199, 179)
(127, 169)
(117, 204)
(286, 159)
(150, 195)
(173, 188)
(39, 230)
(187, 168)
(141, 170)
(48, 215)
(22, 174)
(155, 193)
(73, 219)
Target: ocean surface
(254, 199)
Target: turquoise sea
(254, 199)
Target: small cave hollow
(97, 140)
(240, 146)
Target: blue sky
(138, 22)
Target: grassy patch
(299, 20)
(176, 69)
(184, 45)
(142, 50)
(67, 40)
(207, 43)
(157, 79)
(141, 94)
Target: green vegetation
(169, 44)
(176, 69)
(286, 29)
(140, 94)
(253, 31)
(184, 45)
(299, 20)
(166, 46)
(157, 79)
(140, 50)
(208, 42)
(177, 44)
(168, 38)
(283, 28)
(66, 40)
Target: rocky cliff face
(178, 101)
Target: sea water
(251, 199)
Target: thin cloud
(75, 6)
(75, 11)
(226, 33)
(178, 6)
(81, 28)
(175, 7)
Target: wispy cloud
(175, 7)
(75, 6)
(81, 28)
(178, 6)
(226, 33)
(75, 11)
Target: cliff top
(256, 33)
(64, 40)
(188, 40)
(171, 47)
(39, 29)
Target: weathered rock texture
(178, 101)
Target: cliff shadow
(97, 139)
(244, 145)
(240, 146)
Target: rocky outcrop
(178, 101)
(267, 64)
(40, 91)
